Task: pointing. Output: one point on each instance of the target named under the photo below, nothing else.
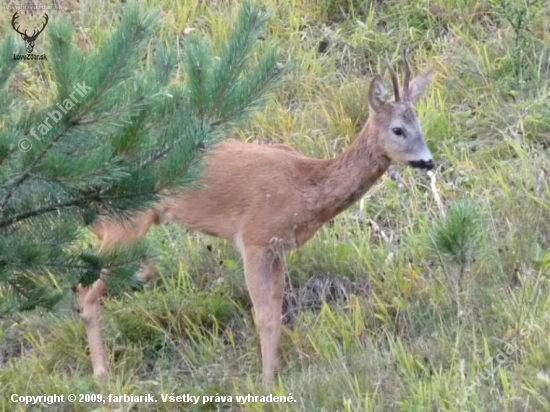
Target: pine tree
(116, 133)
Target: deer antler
(407, 68)
(24, 34)
(13, 21)
(393, 79)
(46, 18)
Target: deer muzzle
(422, 164)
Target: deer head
(400, 134)
(29, 40)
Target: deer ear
(377, 93)
(419, 85)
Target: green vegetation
(413, 313)
(110, 142)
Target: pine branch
(25, 175)
(42, 210)
(126, 140)
(7, 64)
(132, 15)
(232, 60)
(258, 91)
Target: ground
(423, 314)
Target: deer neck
(349, 176)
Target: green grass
(417, 325)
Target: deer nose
(423, 164)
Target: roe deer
(268, 200)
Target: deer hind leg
(89, 298)
(111, 233)
(265, 279)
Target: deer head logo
(29, 40)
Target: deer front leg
(265, 279)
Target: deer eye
(398, 131)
